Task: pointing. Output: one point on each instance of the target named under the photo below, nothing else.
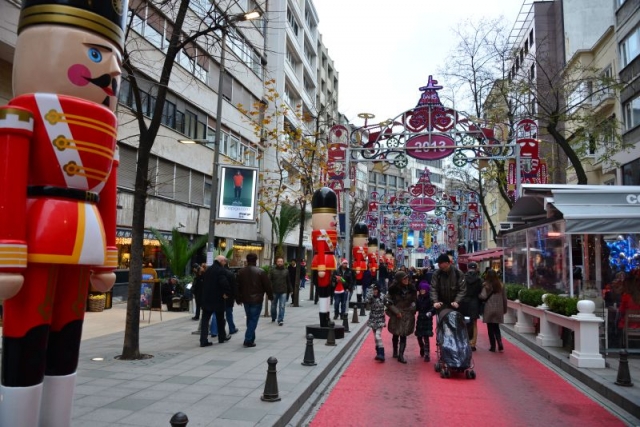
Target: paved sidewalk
(220, 385)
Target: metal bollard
(331, 334)
(354, 319)
(624, 377)
(345, 322)
(270, 393)
(362, 312)
(179, 419)
(309, 357)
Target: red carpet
(511, 389)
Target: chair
(631, 331)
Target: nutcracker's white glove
(103, 281)
(10, 284)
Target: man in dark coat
(447, 285)
(470, 306)
(217, 287)
(253, 283)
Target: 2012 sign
(430, 147)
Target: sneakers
(249, 344)
(280, 323)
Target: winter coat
(424, 323)
(218, 281)
(376, 314)
(401, 299)
(448, 287)
(253, 283)
(279, 277)
(347, 275)
(470, 305)
(495, 306)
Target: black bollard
(179, 419)
(270, 393)
(362, 312)
(354, 319)
(624, 378)
(345, 322)
(309, 357)
(331, 334)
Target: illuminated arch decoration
(430, 131)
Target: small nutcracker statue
(372, 250)
(359, 252)
(324, 237)
(58, 215)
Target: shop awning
(585, 208)
(483, 255)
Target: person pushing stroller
(448, 287)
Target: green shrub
(532, 297)
(566, 306)
(513, 290)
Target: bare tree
(190, 24)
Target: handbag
(484, 302)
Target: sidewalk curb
(303, 406)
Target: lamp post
(229, 21)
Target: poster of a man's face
(237, 194)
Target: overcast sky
(385, 50)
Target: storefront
(151, 245)
(243, 247)
(573, 237)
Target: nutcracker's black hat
(324, 200)
(373, 241)
(360, 230)
(103, 17)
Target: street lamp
(228, 22)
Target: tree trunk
(296, 285)
(131, 345)
(571, 154)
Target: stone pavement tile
(89, 423)
(171, 387)
(147, 419)
(248, 383)
(131, 403)
(184, 379)
(243, 414)
(95, 401)
(188, 396)
(151, 394)
(111, 415)
(212, 382)
(137, 384)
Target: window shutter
(166, 178)
(182, 184)
(197, 188)
(127, 167)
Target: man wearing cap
(342, 283)
(58, 216)
(447, 284)
(470, 306)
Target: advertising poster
(237, 193)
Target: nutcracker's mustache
(108, 83)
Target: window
(392, 181)
(169, 114)
(631, 173)
(180, 121)
(190, 124)
(400, 182)
(631, 111)
(531, 38)
(292, 22)
(630, 47)
(532, 72)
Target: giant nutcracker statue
(324, 237)
(359, 260)
(58, 214)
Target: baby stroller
(452, 345)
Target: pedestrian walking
(447, 285)
(470, 305)
(303, 274)
(228, 312)
(279, 277)
(217, 288)
(495, 307)
(342, 283)
(198, 277)
(424, 322)
(376, 319)
(293, 266)
(253, 282)
(401, 308)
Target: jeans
(229, 315)
(253, 315)
(340, 303)
(279, 302)
(302, 283)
